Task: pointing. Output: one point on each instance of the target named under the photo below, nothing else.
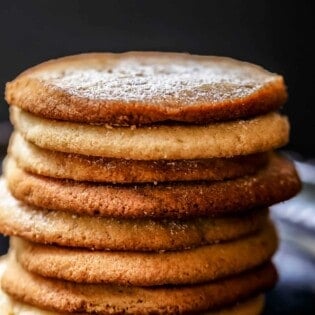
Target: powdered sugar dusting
(159, 79)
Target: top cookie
(146, 87)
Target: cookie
(66, 229)
(146, 87)
(5, 303)
(56, 295)
(12, 307)
(251, 306)
(198, 265)
(226, 139)
(9, 306)
(275, 183)
(87, 168)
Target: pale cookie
(56, 295)
(87, 168)
(226, 139)
(275, 183)
(146, 87)
(199, 265)
(66, 229)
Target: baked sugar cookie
(9, 306)
(146, 87)
(198, 265)
(97, 169)
(251, 306)
(225, 139)
(278, 181)
(56, 295)
(66, 229)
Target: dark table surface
(295, 292)
(295, 260)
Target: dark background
(275, 34)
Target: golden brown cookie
(9, 306)
(251, 306)
(62, 296)
(198, 265)
(225, 139)
(66, 229)
(87, 168)
(146, 87)
(275, 183)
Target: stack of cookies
(139, 183)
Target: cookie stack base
(58, 296)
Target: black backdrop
(275, 34)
